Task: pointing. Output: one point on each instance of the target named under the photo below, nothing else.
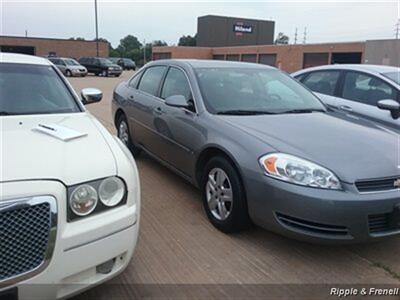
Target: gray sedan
(263, 149)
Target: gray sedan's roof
(204, 63)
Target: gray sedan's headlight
(299, 171)
(83, 199)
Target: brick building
(286, 57)
(47, 46)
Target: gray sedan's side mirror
(91, 95)
(391, 105)
(177, 101)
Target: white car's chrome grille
(27, 236)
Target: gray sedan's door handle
(345, 108)
(158, 111)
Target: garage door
(249, 58)
(18, 49)
(232, 57)
(315, 59)
(267, 59)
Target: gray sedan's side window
(176, 84)
(133, 83)
(323, 82)
(366, 89)
(151, 80)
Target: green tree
(128, 44)
(282, 39)
(159, 43)
(187, 40)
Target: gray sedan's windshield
(394, 76)
(230, 90)
(33, 89)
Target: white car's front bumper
(80, 247)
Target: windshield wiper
(241, 112)
(301, 111)
(4, 113)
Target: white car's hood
(27, 154)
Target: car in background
(124, 63)
(69, 218)
(100, 66)
(69, 66)
(262, 147)
(365, 90)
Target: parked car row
(260, 146)
(96, 65)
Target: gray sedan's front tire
(125, 136)
(224, 199)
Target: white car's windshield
(253, 91)
(394, 76)
(71, 62)
(33, 89)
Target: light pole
(144, 52)
(97, 28)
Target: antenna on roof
(295, 37)
(397, 29)
(305, 35)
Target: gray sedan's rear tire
(125, 136)
(224, 199)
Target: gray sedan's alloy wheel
(219, 194)
(123, 132)
(224, 197)
(124, 135)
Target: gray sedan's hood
(352, 148)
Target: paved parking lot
(177, 244)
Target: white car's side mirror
(391, 105)
(91, 95)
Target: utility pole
(144, 52)
(295, 37)
(97, 28)
(305, 35)
(397, 29)
(26, 32)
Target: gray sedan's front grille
(24, 237)
(377, 185)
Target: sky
(326, 21)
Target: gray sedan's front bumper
(322, 215)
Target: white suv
(69, 191)
(366, 90)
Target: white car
(368, 91)
(69, 190)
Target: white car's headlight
(83, 200)
(299, 171)
(111, 191)
(95, 196)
